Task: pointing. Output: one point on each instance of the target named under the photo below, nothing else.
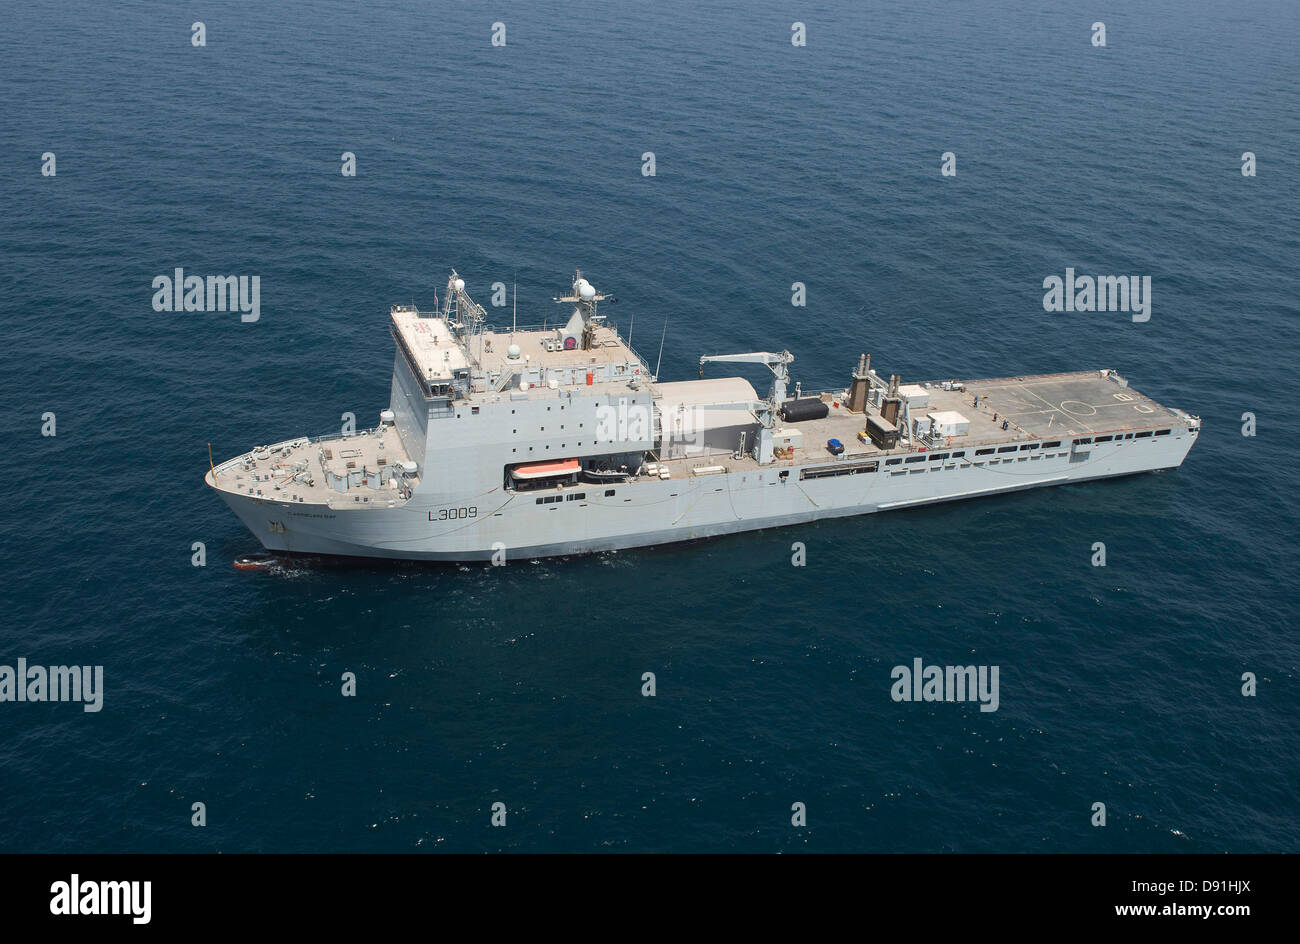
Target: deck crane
(779, 365)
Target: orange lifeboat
(545, 470)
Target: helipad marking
(1086, 406)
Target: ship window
(1051, 445)
(959, 455)
(576, 496)
(1128, 435)
(916, 458)
(1142, 435)
(1028, 446)
(474, 410)
(983, 452)
(1162, 432)
(892, 461)
(609, 493)
(1102, 439)
(833, 471)
(936, 456)
(1082, 442)
(1007, 449)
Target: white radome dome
(459, 285)
(513, 352)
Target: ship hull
(502, 526)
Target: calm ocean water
(775, 164)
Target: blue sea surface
(775, 164)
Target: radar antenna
(580, 330)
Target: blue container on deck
(835, 446)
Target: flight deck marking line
(1053, 411)
(1041, 400)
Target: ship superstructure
(513, 443)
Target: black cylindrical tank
(808, 408)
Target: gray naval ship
(513, 443)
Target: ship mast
(580, 330)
